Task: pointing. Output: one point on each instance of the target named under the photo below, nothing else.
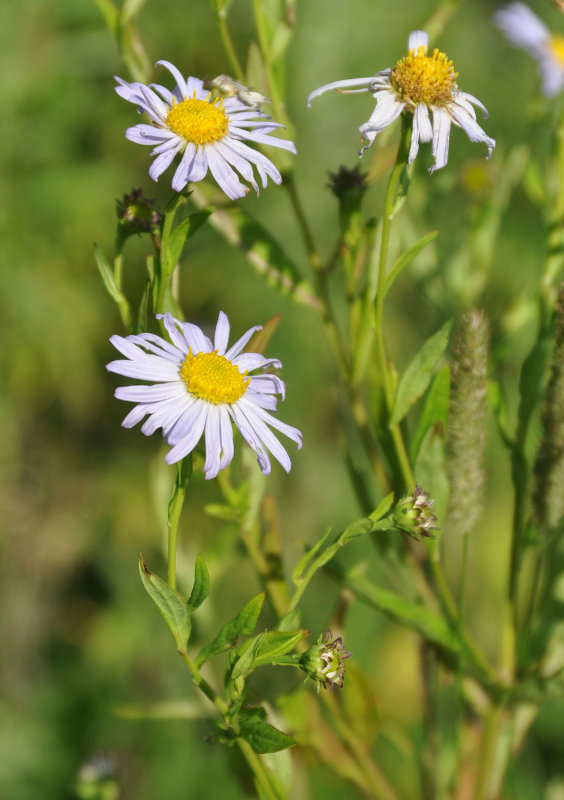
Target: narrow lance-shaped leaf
(108, 277)
(243, 624)
(263, 737)
(419, 372)
(406, 258)
(266, 648)
(170, 603)
(184, 231)
(201, 587)
(435, 409)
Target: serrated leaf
(435, 409)
(108, 277)
(184, 231)
(263, 737)
(383, 507)
(170, 603)
(243, 624)
(406, 258)
(201, 587)
(418, 374)
(302, 564)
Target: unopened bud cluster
(325, 661)
(137, 214)
(414, 516)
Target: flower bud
(413, 515)
(324, 662)
(137, 214)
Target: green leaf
(266, 648)
(108, 277)
(435, 409)
(303, 563)
(406, 258)
(142, 313)
(201, 587)
(110, 12)
(290, 621)
(243, 624)
(434, 629)
(418, 374)
(171, 604)
(357, 528)
(533, 379)
(383, 507)
(263, 737)
(184, 231)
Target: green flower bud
(137, 214)
(413, 515)
(324, 662)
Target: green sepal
(108, 277)
(243, 624)
(406, 258)
(170, 603)
(419, 372)
(201, 587)
(184, 231)
(263, 737)
(435, 409)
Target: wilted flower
(208, 133)
(325, 661)
(229, 87)
(413, 515)
(201, 389)
(137, 214)
(420, 84)
(524, 29)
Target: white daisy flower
(201, 388)
(424, 85)
(209, 133)
(524, 29)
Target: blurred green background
(80, 637)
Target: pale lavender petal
(471, 128)
(388, 108)
(340, 86)
(236, 348)
(213, 443)
(250, 437)
(250, 361)
(226, 435)
(274, 422)
(241, 164)
(177, 75)
(522, 27)
(172, 325)
(152, 393)
(161, 163)
(189, 442)
(224, 175)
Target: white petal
(171, 326)
(471, 128)
(471, 99)
(552, 75)
(416, 40)
(522, 27)
(441, 137)
(340, 86)
(226, 434)
(152, 393)
(148, 134)
(274, 422)
(154, 343)
(193, 167)
(263, 432)
(221, 336)
(195, 338)
(241, 164)
(251, 438)
(250, 361)
(388, 108)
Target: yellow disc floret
(212, 377)
(198, 121)
(556, 45)
(421, 78)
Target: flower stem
(183, 474)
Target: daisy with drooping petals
(524, 29)
(201, 389)
(422, 84)
(210, 134)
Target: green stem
(228, 45)
(175, 505)
(165, 270)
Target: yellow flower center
(420, 78)
(556, 45)
(198, 121)
(213, 378)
